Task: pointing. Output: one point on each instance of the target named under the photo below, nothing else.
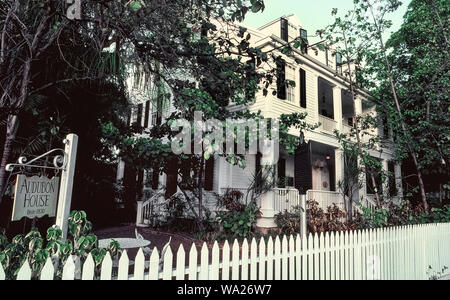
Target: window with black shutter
(393, 192)
(147, 114)
(172, 180)
(284, 30)
(281, 79)
(155, 179)
(302, 88)
(282, 173)
(139, 114)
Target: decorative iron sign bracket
(59, 161)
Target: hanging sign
(35, 197)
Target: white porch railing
(328, 124)
(285, 200)
(347, 129)
(147, 209)
(326, 199)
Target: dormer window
(284, 30)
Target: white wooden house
(315, 170)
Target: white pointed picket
(139, 266)
(245, 261)
(298, 258)
(316, 248)
(2, 272)
(270, 259)
(88, 268)
(106, 271)
(215, 264)
(291, 258)
(193, 263)
(153, 271)
(124, 265)
(181, 263)
(167, 266)
(25, 272)
(262, 259)
(226, 261)
(277, 258)
(204, 263)
(69, 269)
(48, 271)
(322, 256)
(310, 253)
(235, 263)
(284, 259)
(253, 260)
(304, 254)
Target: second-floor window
(281, 79)
(147, 114)
(290, 89)
(139, 114)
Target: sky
(313, 15)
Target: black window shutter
(282, 173)
(284, 30)
(209, 174)
(155, 179)
(392, 184)
(147, 114)
(302, 88)
(281, 79)
(303, 169)
(139, 114)
(172, 180)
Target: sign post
(35, 196)
(66, 187)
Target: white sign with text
(35, 197)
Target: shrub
(239, 224)
(32, 247)
(333, 219)
(400, 215)
(238, 219)
(289, 222)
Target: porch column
(385, 165)
(362, 193)
(120, 170)
(399, 181)
(315, 87)
(339, 166)
(337, 103)
(267, 219)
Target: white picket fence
(388, 254)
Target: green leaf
(135, 5)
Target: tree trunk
(399, 111)
(11, 132)
(375, 188)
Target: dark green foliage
(238, 220)
(289, 222)
(32, 247)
